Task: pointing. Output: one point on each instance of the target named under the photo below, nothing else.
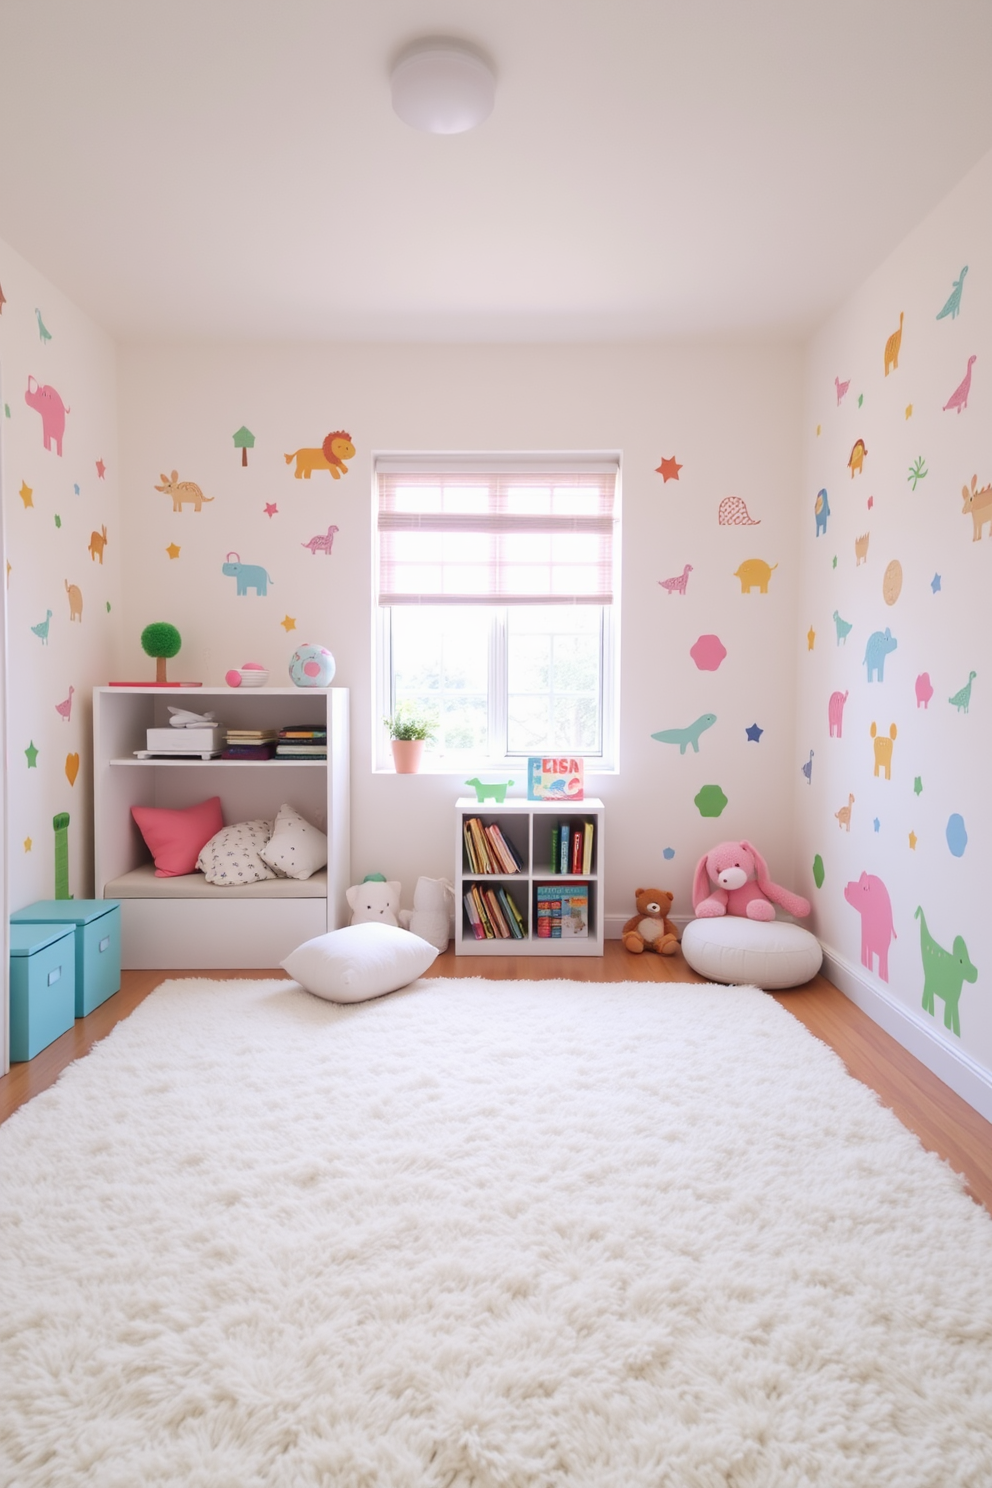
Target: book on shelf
(506, 854)
(563, 859)
(571, 847)
(562, 910)
(303, 731)
(511, 913)
(555, 778)
(247, 751)
(483, 912)
(474, 917)
(297, 751)
(588, 829)
(496, 914)
(251, 736)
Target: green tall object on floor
(61, 825)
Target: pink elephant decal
(835, 713)
(870, 898)
(53, 411)
(924, 690)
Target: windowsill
(517, 769)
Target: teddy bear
(430, 917)
(743, 886)
(650, 929)
(374, 901)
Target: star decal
(913, 840)
(668, 469)
(101, 469)
(28, 844)
(173, 550)
(935, 583)
(271, 510)
(918, 784)
(811, 638)
(32, 756)
(834, 564)
(26, 494)
(75, 488)
(909, 410)
(288, 624)
(861, 399)
(9, 566)
(871, 502)
(876, 824)
(58, 520)
(818, 428)
(754, 733)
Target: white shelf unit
(528, 825)
(214, 928)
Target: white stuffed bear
(430, 917)
(374, 902)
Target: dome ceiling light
(442, 87)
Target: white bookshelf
(160, 927)
(528, 825)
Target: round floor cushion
(759, 953)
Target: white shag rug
(483, 1235)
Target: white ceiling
(653, 168)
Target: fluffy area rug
(483, 1235)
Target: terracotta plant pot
(406, 755)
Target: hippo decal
(880, 643)
(46, 401)
(870, 898)
(248, 575)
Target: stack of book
(249, 744)
(302, 741)
(488, 851)
(562, 910)
(571, 847)
(493, 914)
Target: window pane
(440, 663)
(554, 679)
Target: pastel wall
(726, 421)
(898, 556)
(63, 540)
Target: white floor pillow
(359, 962)
(772, 954)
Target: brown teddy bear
(650, 929)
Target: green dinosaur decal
(944, 973)
(685, 736)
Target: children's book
(555, 778)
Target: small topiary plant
(162, 641)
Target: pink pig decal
(870, 898)
(924, 690)
(53, 411)
(835, 713)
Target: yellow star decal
(811, 638)
(818, 427)
(909, 410)
(288, 624)
(28, 844)
(26, 494)
(8, 573)
(173, 551)
(913, 840)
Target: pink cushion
(174, 838)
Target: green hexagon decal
(710, 800)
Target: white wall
(939, 755)
(729, 414)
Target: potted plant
(408, 733)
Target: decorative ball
(232, 678)
(312, 666)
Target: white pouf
(759, 953)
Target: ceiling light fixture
(443, 87)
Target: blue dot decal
(957, 837)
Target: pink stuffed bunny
(730, 866)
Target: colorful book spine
(587, 836)
(473, 918)
(563, 854)
(510, 913)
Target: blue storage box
(42, 986)
(97, 926)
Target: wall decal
(870, 898)
(668, 853)
(935, 583)
(3, 299)
(708, 652)
(101, 469)
(818, 873)
(44, 334)
(843, 628)
(58, 520)
(892, 582)
(26, 494)
(843, 815)
(892, 347)
(924, 690)
(28, 844)
(288, 623)
(876, 824)
(909, 410)
(71, 768)
(733, 512)
(913, 840)
(962, 699)
(64, 709)
(835, 714)
(98, 541)
(821, 510)
(686, 736)
(41, 629)
(754, 734)
(871, 502)
(248, 576)
(244, 440)
(668, 469)
(959, 397)
(880, 643)
(270, 509)
(807, 769)
(75, 601)
(861, 399)
(46, 401)
(60, 825)
(75, 488)
(31, 754)
(833, 561)
(953, 304)
(917, 471)
(842, 388)
(882, 746)
(956, 834)
(336, 448)
(677, 584)
(323, 542)
(709, 800)
(856, 461)
(861, 549)
(944, 974)
(182, 491)
(754, 572)
(819, 429)
(173, 551)
(979, 504)
(810, 639)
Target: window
(496, 587)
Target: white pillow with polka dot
(233, 855)
(296, 848)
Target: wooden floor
(943, 1122)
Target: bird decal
(807, 769)
(953, 305)
(41, 629)
(959, 397)
(64, 709)
(842, 388)
(962, 699)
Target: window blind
(506, 535)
